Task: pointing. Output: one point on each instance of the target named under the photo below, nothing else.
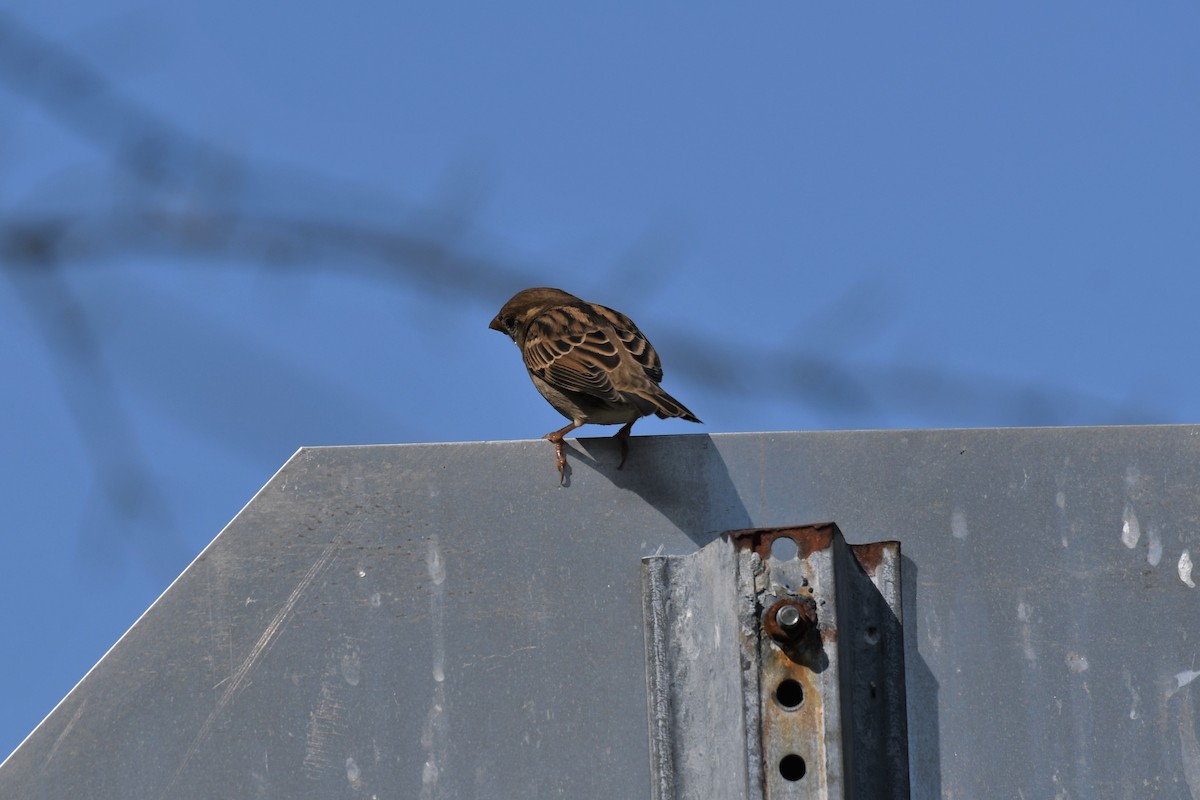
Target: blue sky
(824, 217)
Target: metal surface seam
(662, 768)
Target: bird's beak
(495, 324)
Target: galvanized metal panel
(445, 621)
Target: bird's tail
(660, 404)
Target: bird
(589, 361)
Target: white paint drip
(429, 776)
(1185, 569)
(1132, 476)
(1131, 531)
(433, 561)
(958, 524)
(1153, 547)
(1025, 615)
(351, 668)
(1182, 679)
(435, 736)
(933, 627)
(353, 774)
(1060, 500)
(1135, 697)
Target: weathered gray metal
(774, 674)
(445, 621)
(702, 676)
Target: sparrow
(590, 362)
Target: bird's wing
(570, 348)
(634, 341)
(648, 396)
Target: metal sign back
(446, 621)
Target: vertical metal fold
(658, 678)
(696, 648)
(788, 657)
(871, 643)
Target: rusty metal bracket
(775, 668)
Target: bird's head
(526, 304)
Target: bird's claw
(560, 458)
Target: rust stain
(794, 658)
(807, 623)
(870, 556)
(796, 729)
(808, 538)
(804, 645)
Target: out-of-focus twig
(192, 202)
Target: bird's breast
(578, 406)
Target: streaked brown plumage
(590, 362)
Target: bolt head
(788, 617)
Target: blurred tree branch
(185, 200)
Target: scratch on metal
(260, 647)
(324, 723)
(66, 729)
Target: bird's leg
(622, 436)
(556, 438)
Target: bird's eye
(509, 322)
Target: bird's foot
(560, 458)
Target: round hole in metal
(792, 767)
(789, 693)
(784, 549)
